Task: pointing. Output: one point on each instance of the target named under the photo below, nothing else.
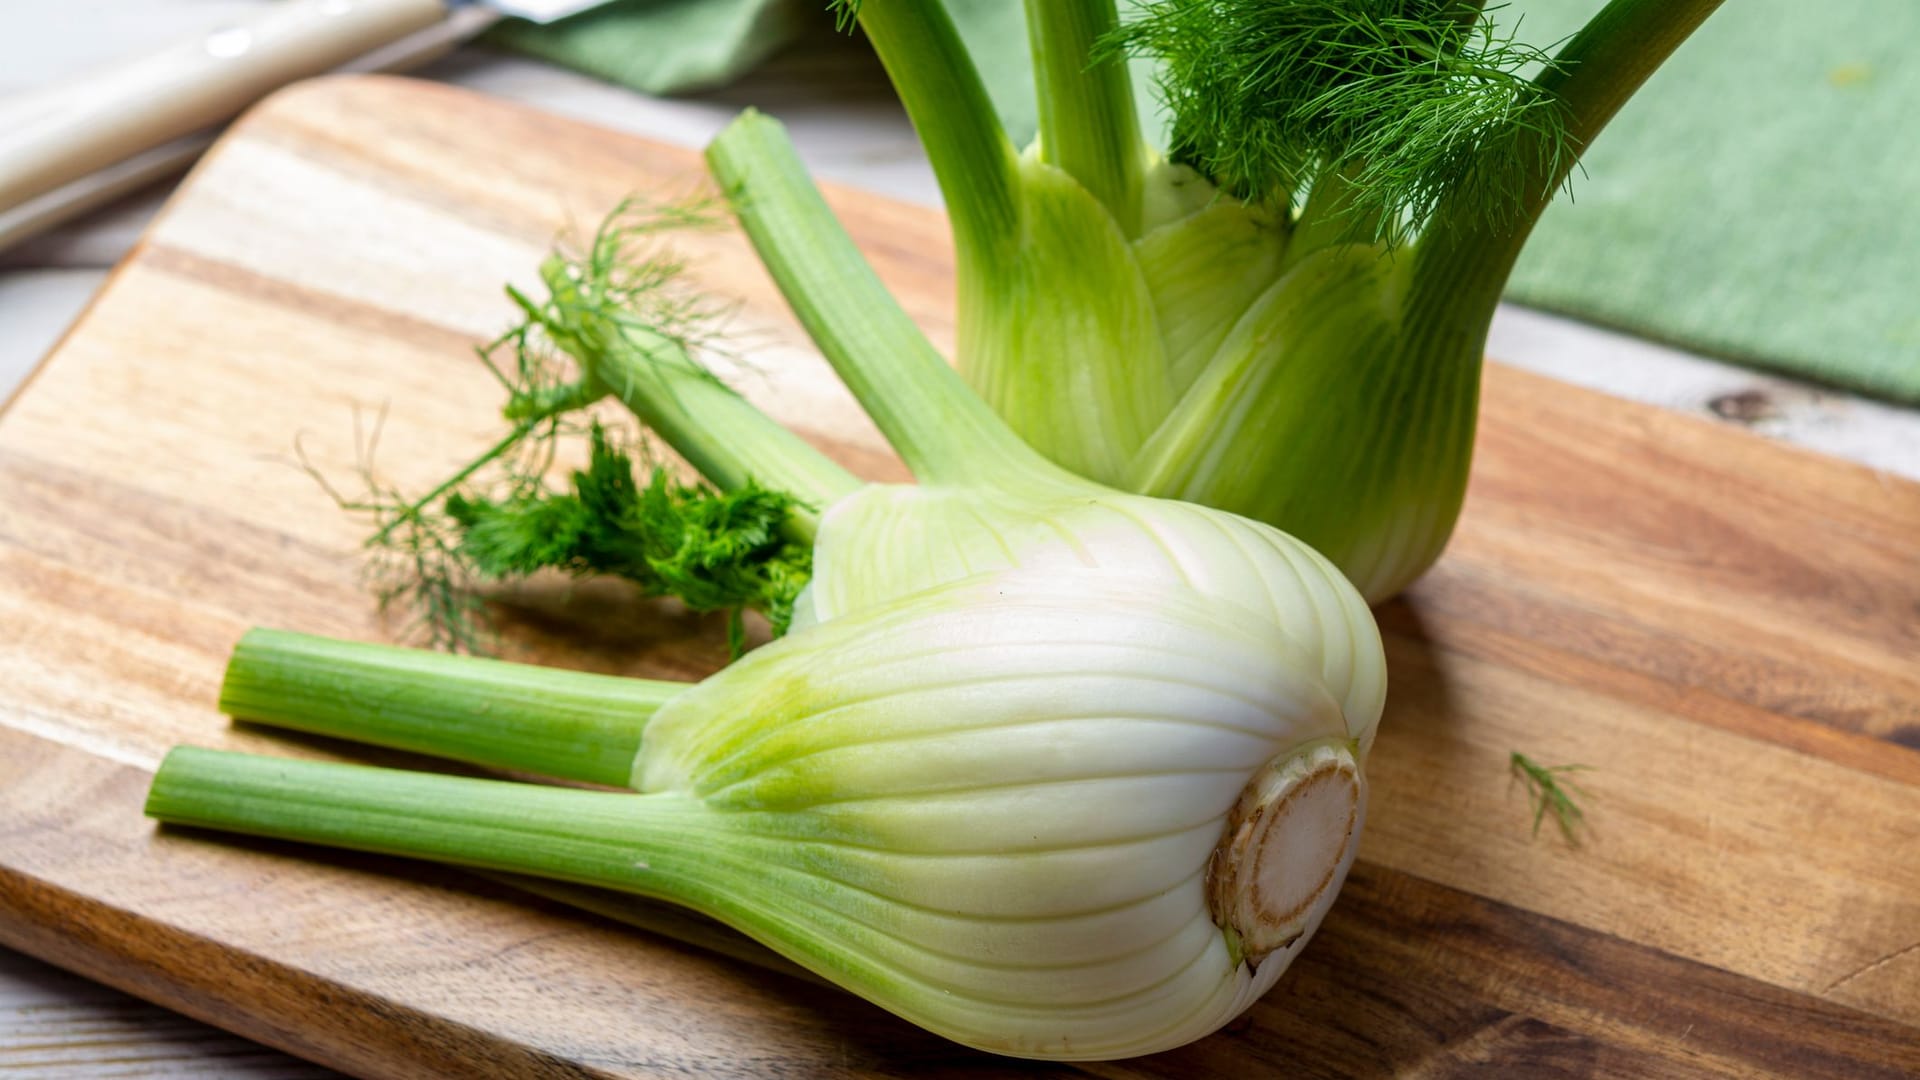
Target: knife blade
(155, 112)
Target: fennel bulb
(1283, 313)
(1055, 813)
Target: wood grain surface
(1728, 631)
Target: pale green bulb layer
(890, 540)
(1365, 458)
(1203, 272)
(1036, 348)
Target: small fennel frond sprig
(1550, 791)
(1381, 110)
(628, 279)
(498, 519)
(411, 563)
(623, 276)
(715, 551)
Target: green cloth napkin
(1758, 200)
(664, 46)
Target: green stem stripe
(666, 845)
(717, 431)
(972, 157)
(565, 724)
(601, 838)
(937, 424)
(1088, 125)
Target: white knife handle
(104, 118)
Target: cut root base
(1288, 846)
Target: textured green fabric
(664, 46)
(680, 46)
(1757, 200)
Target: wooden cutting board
(1727, 630)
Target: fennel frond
(1549, 791)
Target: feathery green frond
(1548, 790)
(1398, 103)
(626, 278)
(411, 564)
(715, 551)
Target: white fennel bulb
(1052, 813)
